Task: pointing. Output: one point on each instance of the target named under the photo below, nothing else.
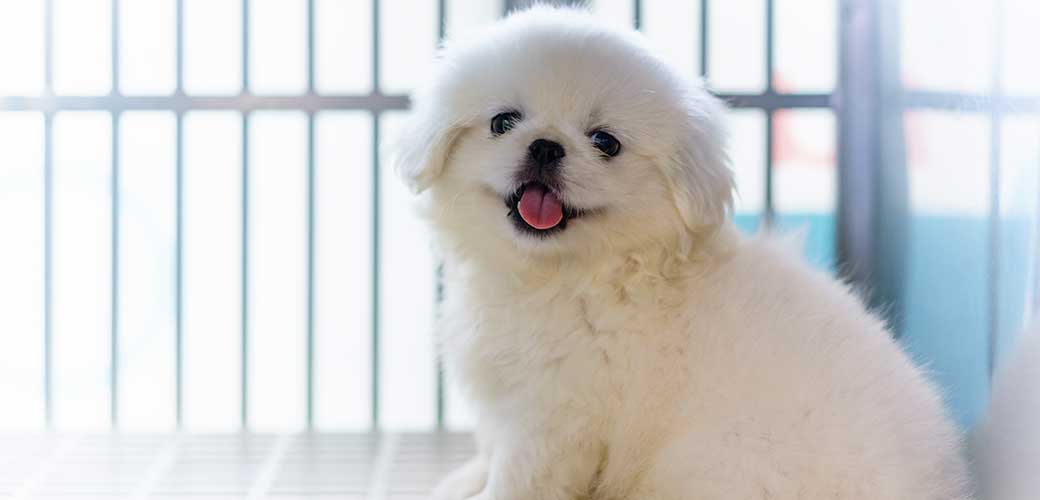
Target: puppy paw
(464, 483)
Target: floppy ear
(699, 175)
(422, 147)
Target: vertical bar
(114, 48)
(442, 23)
(770, 143)
(310, 219)
(1036, 258)
(858, 76)
(244, 412)
(310, 47)
(114, 355)
(244, 288)
(375, 218)
(48, 213)
(770, 56)
(48, 47)
(995, 116)
(245, 48)
(114, 305)
(873, 189)
(245, 223)
(310, 269)
(48, 268)
(178, 295)
(439, 299)
(704, 38)
(179, 209)
(893, 207)
(637, 14)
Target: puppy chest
(561, 358)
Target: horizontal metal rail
(772, 101)
(317, 102)
(183, 103)
(969, 102)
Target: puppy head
(549, 133)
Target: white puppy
(1006, 445)
(618, 337)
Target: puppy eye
(606, 143)
(502, 122)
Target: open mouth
(537, 209)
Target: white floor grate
(236, 466)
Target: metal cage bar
(996, 119)
(378, 103)
(179, 222)
(442, 13)
(310, 220)
(244, 289)
(1036, 258)
(48, 215)
(704, 25)
(962, 101)
(115, 117)
(179, 102)
(872, 182)
(770, 214)
(178, 258)
(376, 218)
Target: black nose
(545, 152)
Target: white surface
(212, 269)
(737, 45)
(82, 269)
(21, 48)
(21, 265)
(343, 46)
(147, 277)
(343, 271)
(147, 46)
(216, 466)
(212, 46)
(82, 47)
(278, 46)
(407, 274)
(277, 284)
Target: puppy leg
(465, 482)
(543, 469)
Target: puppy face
(553, 134)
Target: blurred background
(199, 232)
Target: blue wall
(946, 310)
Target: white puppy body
(746, 375)
(645, 350)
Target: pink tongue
(540, 208)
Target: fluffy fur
(647, 351)
(1005, 447)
